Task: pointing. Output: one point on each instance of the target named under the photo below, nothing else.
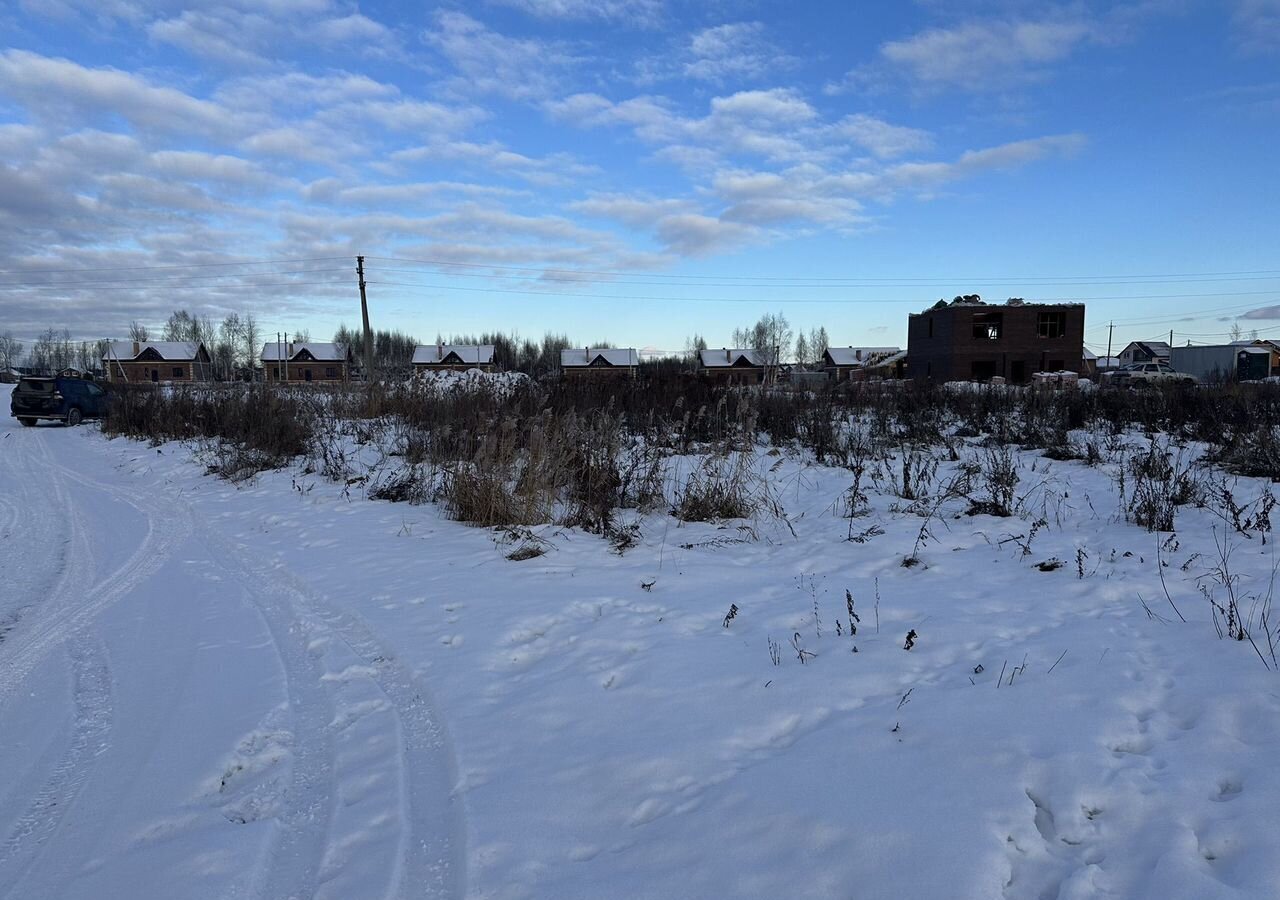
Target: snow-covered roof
(322, 352)
(1155, 348)
(576, 357)
(858, 356)
(170, 351)
(467, 354)
(725, 358)
(889, 360)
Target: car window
(94, 390)
(31, 384)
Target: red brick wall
(298, 372)
(950, 351)
(140, 372)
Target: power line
(825, 300)
(219, 288)
(525, 274)
(167, 280)
(246, 262)
(905, 279)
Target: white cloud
(973, 162)
(50, 87)
(491, 63)
(333, 191)
(557, 168)
(252, 34)
(1257, 25)
(733, 51)
(642, 13)
(980, 55)
(880, 137)
(763, 123)
(637, 212)
(198, 166)
(693, 234)
(294, 90)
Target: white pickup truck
(1151, 373)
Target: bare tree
(250, 338)
(770, 336)
(693, 346)
(819, 343)
(52, 351)
(803, 355)
(183, 326)
(138, 332)
(10, 351)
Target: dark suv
(63, 398)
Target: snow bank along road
(212, 691)
(182, 717)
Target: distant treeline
(235, 343)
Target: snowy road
(179, 711)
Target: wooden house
(307, 362)
(743, 365)
(843, 363)
(1145, 352)
(599, 362)
(142, 362)
(453, 357)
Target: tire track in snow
(90, 734)
(431, 856)
(309, 804)
(431, 851)
(78, 597)
(32, 522)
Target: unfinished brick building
(969, 340)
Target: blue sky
(639, 170)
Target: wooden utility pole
(364, 313)
(1110, 330)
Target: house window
(988, 326)
(1052, 324)
(177, 371)
(275, 372)
(330, 372)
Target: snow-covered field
(286, 690)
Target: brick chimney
(137, 348)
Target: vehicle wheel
(27, 422)
(74, 417)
